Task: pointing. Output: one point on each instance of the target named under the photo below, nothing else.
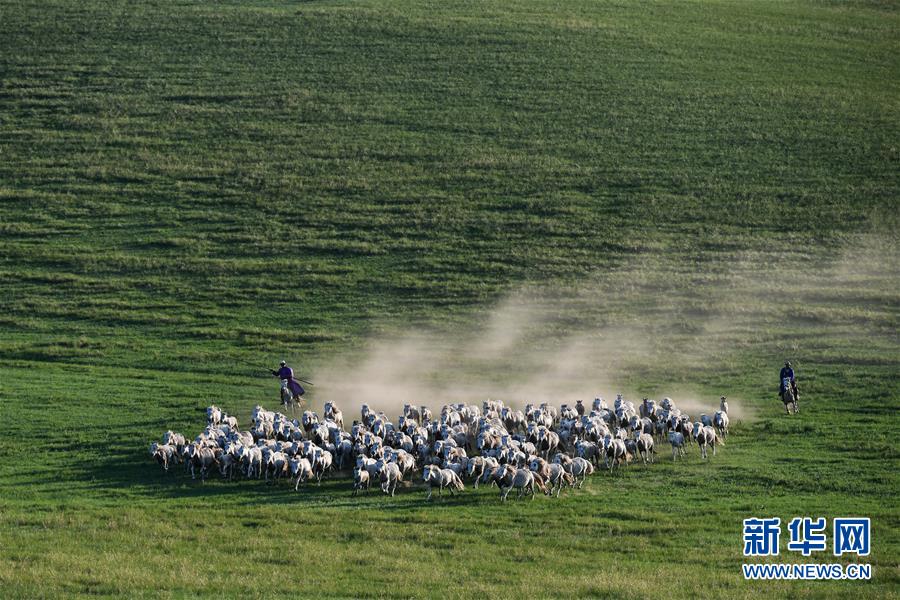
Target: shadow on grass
(146, 479)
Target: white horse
(288, 398)
(333, 413)
(522, 479)
(706, 436)
(441, 478)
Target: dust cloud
(649, 328)
(531, 347)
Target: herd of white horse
(541, 447)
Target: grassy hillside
(190, 189)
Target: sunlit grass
(190, 191)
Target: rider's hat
(283, 363)
(787, 363)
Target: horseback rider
(286, 374)
(787, 372)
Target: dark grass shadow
(146, 479)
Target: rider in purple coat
(287, 373)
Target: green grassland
(189, 189)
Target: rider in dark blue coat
(787, 372)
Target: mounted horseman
(788, 388)
(291, 390)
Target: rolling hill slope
(654, 198)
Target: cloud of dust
(657, 321)
(530, 348)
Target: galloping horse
(788, 397)
(289, 399)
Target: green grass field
(689, 193)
